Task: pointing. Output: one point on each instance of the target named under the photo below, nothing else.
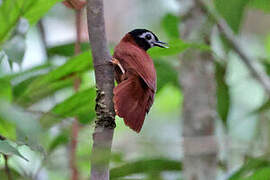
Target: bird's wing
(132, 101)
(138, 62)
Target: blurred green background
(38, 102)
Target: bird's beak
(161, 44)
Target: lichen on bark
(105, 118)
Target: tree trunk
(199, 107)
(103, 135)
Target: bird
(135, 75)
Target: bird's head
(146, 39)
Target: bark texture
(103, 135)
(199, 107)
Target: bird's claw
(116, 62)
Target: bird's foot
(116, 62)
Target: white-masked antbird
(136, 76)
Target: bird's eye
(148, 37)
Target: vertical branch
(78, 31)
(76, 85)
(72, 160)
(199, 107)
(103, 135)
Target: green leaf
(170, 24)
(267, 45)
(223, 93)
(175, 47)
(14, 174)
(145, 166)
(232, 11)
(266, 65)
(31, 96)
(264, 107)
(81, 105)
(250, 166)
(20, 88)
(263, 5)
(117, 157)
(2, 56)
(260, 174)
(7, 129)
(30, 139)
(20, 95)
(10, 13)
(41, 69)
(22, 80)
(39, 9)
(169, 100)
(74, 65)
(7, 149)
(27, 126)
(12, 10)
(165, 73)
(59, 78)
(5, 90)
(66, 49)
(62, 138)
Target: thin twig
(78, 31)
(75, 124)
(42, 35)
(224, 28)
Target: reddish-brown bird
(136, 77)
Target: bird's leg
(116, 62)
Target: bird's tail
(132, 100)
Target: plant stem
(75, 124)
(43, 38)
(104, 74)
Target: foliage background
(38, 103)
